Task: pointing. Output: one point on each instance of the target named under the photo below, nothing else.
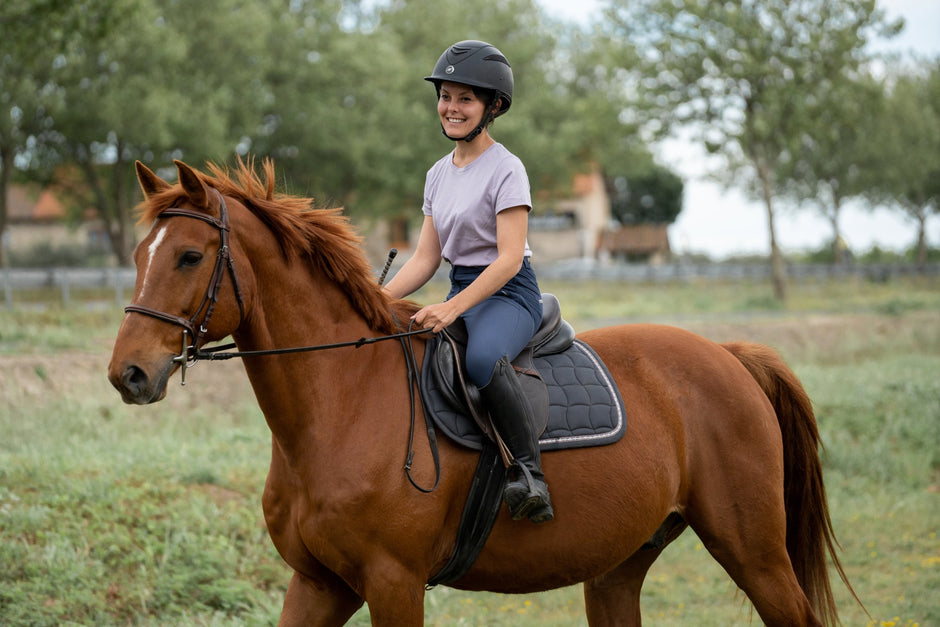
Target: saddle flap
(446, 353)
(447, 371)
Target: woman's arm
(423, 264)
(511, 229)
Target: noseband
(192, 328)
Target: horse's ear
(150, 183)
(192, 185)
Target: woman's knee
(480, 364)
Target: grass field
(117, 515)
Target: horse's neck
(301, 393)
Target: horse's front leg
(325, 602)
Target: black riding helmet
(477, 64)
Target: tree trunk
(922, 240)
(778, 268)
(838, 246)
(110, 215)
(6, 169)
(122, 218)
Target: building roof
(27, 204)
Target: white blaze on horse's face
(152, 251)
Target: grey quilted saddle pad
(585, 407)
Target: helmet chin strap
(469, 137)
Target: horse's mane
(323, 236)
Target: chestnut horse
(721, 438)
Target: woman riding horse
(476, 206)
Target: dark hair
(487, 96)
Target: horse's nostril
(134, 379)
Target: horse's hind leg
(744, 529)
(613, 599)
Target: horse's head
(187, 291)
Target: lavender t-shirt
(464, 202)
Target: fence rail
(678, 272)
(119, 282)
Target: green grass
(109, 516)
(53, 328)
(117, 515)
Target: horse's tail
(810, 535)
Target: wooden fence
(115, 285)
(68, 283)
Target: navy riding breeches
(502, 324)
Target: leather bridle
(191, 352)
(194, 327)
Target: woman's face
(459, 109)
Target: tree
(35, 35)
(908, 137)
(837, 156)
(742, 72)
(653, 196)
(155, 88)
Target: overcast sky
(723, 222)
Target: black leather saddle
(584, 407)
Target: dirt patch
(82, 374)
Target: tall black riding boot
(526, 493)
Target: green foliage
(836, 156)
(744, 76)
(652, 196)
(333, 91)
(908, 140)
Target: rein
(223, 352)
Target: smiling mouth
(456, 120)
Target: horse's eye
(189, 259)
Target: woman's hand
(436, 316)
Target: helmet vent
(496, 57)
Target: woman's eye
(189, 259)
